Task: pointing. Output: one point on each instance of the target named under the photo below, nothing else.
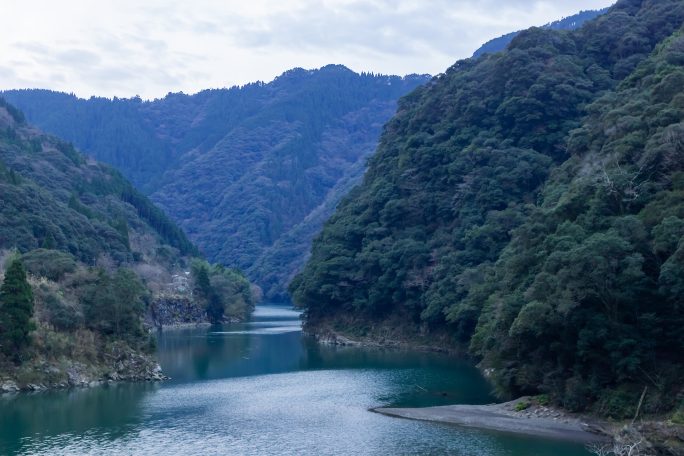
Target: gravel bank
(537, 421)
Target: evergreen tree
(215, 308)
(49, 242)
(16, 310)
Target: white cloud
(151, 47)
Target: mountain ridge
(568, 23)
(238, 168)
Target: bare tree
(616, 448)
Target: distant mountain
(249, 172)
(568, 23)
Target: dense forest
(527, 206)
(569, 23)
(250, 173)
(82, 257)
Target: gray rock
(8, 386)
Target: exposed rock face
(118, 363)
(8, 386)
(134, 366)
(175, 309)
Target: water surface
(262, 388)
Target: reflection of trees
(115, 407)
(224, 352)
(200, 353)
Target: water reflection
(117, 408)
(234, 350)
(262, 388)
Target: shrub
(61, 315)
(522, 405)
(51, 264)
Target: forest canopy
(528, 203)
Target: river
(260, 388)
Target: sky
(148, 48)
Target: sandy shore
(537, 421)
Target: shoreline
(328, 336)
(533, 421)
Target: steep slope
(569, 23)
(241, 170)
(100, 258)
(423, 246)
(53, 195)
(594, 278)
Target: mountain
(101, 259)
(250, 173)
(527, 206)
(53, 195)
(568, 23)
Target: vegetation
(250, 173)
(226, 293)
(569, 23)
(529, 203)
(97, 254)
(16, 310)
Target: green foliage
(543, 400)
(52, 198)
(51, 264)
(620, 403)
(16, 311)
(61, 315)
(569, 23)
(114, 305)
(16, 114)
(251, 173)
(530, 203)
(678, 415)
(522, 405)
(226, 292)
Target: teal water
(262, 388)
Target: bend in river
(261, 387)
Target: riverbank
(392, 334)
(116, 363)
(510, 417)
(524, 416)
(660, 435)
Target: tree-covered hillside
(527, 204)
(84, 257)
(244, 170)
(569, 23)
(53, 196)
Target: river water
(261, 388)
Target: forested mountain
(52, 195)
(528, 204)
(85, 257)
(250, 173)
(568, 23)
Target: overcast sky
(152, 47)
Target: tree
(215, 308)
(113, 305)
(16, 310)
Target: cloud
(151, 47)
(399, 28)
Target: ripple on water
(259, 389)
